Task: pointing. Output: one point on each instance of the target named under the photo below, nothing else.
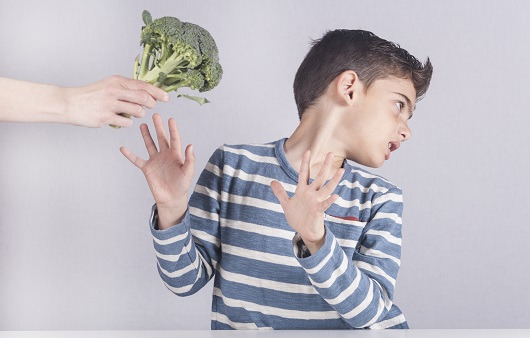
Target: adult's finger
(120, 121)
(148, 140)
(160, 132)
(132, 157)
(132, 109)
(155, 92)
(139, 97)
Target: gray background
(75, 248)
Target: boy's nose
(405, 132)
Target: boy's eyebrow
(409, 104)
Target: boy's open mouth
(393, 145)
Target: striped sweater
(235, 230)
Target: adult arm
(93, 105)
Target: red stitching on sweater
(347, 218)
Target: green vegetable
(177, 54)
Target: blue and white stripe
(235, 229)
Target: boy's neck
(315, 133)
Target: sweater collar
(288, 168)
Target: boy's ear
(347, 86)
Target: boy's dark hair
(368, 55)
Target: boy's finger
(160, 132)
(148, 140)
(324, 205)
(332, 184)
(279, 192)
(322, 175)
(189, 163)
(303, 175)
(132, 157)
(174, 137)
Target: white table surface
(460, 333)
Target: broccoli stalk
(144, 66)
(176, 55)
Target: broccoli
(177, 54)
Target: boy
(289, 250)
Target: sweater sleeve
(361, 289)
(187, 253)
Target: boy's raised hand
(305, 210)
(168, 174)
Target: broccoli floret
(212, 72)
(191, 78)
(177, 54)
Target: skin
(94, 105)
(167, 171)
(347, 122)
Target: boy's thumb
(279, 192)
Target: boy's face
(380, 120)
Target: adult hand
(168, 174)
(305, 210)
(103, 102)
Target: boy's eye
(400, 105)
